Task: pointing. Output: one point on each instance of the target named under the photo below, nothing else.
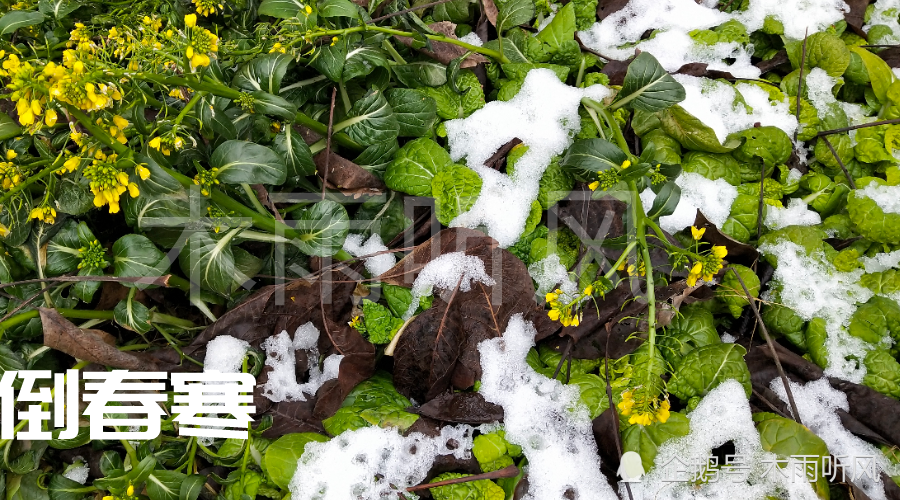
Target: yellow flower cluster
(200, 42)
(44, 213)
(10, 175)
(71, 84)
(708, 265)
(639, 270)
(166, 143)
(108, 182)
(281, 49)
(81, 39)
(207, 7)
(609, 177)
(206, 179)
(117, 129)
(644, 412)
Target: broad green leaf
(329, 60)
(82, 438)
(386, 218)
(15, 19)
(337, 8)
(703, 369)
(57, 8)
(513, 13)
(560, 29)
(281, 456)
(377, 157)
(246, 266)
(363, 60)
(322, 228)
(8, 127)
(455, 189)
(371, 120)
(648, 87)
(415, 113)
(246, 162)
(882, 373)
(214, 120)
(160, 182)
(589, 156)
(878, 318)
(132, 315)
(692, 133)
(191, 486)
(164, 484)
(294, 151)
(880, 73)
(421, 74)
(645, 440)
(282, 9)
(14, 215)
(136, 256)
(666, 200)
(270, 104)
(63, 488)
(731, 292)
(85, 290)
(692, 328)
(209, 261)
(785, 438)
(481, 489)
(63, 253)
(455, 11)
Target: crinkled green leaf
(455, 189)
(704, 368)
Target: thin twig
(157, 281)
(799, 87)
(769, 403)
(407, 11)
(765, 332)
(841, 163)
(21, 306)
(328, 142)
(587, 49)
(509, 471)
(857, 127)
(759, 214)
(562, 359)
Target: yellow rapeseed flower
(697, 233)
(44, 213)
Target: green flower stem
(133, 347)
(264, 223)
(20, 318)
(157, 317)
(187, 107)
(640, 221)
(386, 45)
(34, 178)
(253, 199)
(131, 453)
(218, 89)
(611, 123)
(493, 54)
(612, 272)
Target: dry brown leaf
(87, 345)
(445, 52)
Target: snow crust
(886, 197)
(281, 351)
(814, 288)
(818, 403)
(712, 197)
(225, 354)
(445, 272)
(797, 213)
(377, 264)
(373, 462)
(544, 417)
(544, 115)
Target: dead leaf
(347, 176)
(440, 347)
(855, 17)
(498, 160)
(461, 408)
(700, 69)
(891, 56)
(607, 7)
(444, 52)
(778, 59)
(490, 10)
(88, 345)
(738, 252)
(616, 70)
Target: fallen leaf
(778, 59)
(607, 7)
(347, 176)
(461, 408)
(855, 17)
(444, 52)
(701, 70)
(498, 160)
(88, 345)
(490, 10)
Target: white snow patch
(723, 415)
(280, 350)
(728, 338)
(819, 91)
(619, 35)
(814, 288)
(544, 417)
(446, 271)
(818, 403)
(377, 264)
(225, 354)
(544, 115)
(885, 12)
(797, 213)
(472, 39)
(881, 262)
(78, 472)
(716, 105)
(886, 197)
(713, 198)
(548, 273)
(373, 463)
